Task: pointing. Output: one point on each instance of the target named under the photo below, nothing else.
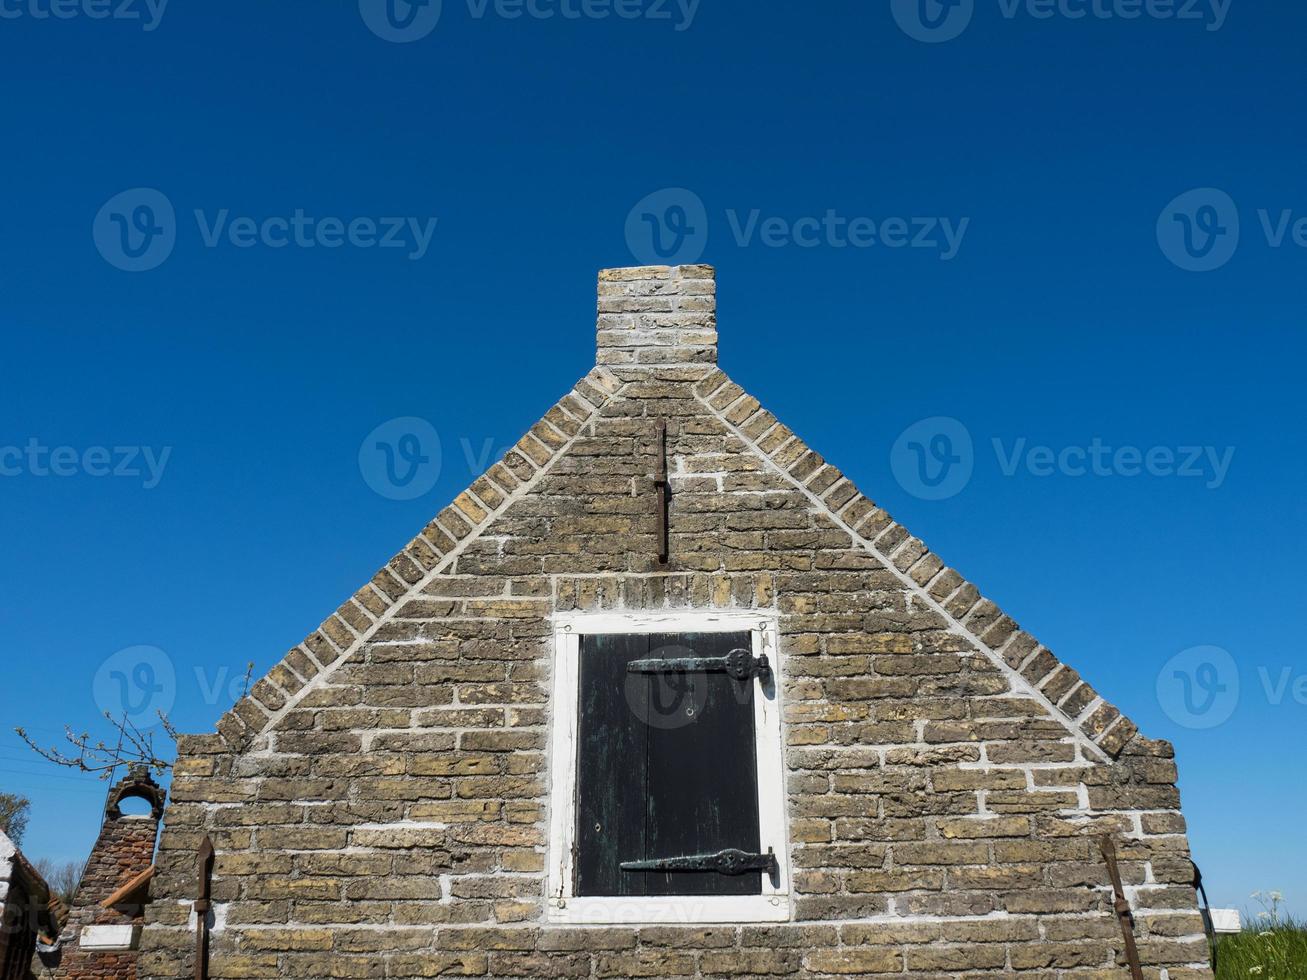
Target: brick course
(378, 802)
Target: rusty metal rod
(660, 483)
(204, 869)
(1122, 907)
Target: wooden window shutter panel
(666, 765)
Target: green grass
(1272, 947)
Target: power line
(43, 775)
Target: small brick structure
(26, 911)
(100, 938)
(380, 802)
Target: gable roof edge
(428, 555)
(1033, 669)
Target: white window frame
(562, 907)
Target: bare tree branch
(63, 878)
(134, 746)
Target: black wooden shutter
(666, 766)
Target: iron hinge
(740, 664)
(727, 862)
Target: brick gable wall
(378, 804)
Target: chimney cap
(139, 784)
(654, 315)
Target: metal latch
(727, 862)
(739, 663)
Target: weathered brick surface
(123, 850)
(380, 810)
(655, 315)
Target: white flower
(1255, 969)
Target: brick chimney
(656, 315)
(99, 940)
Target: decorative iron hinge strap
(727, 862)
(740, 664)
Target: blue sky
(1085, 321)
